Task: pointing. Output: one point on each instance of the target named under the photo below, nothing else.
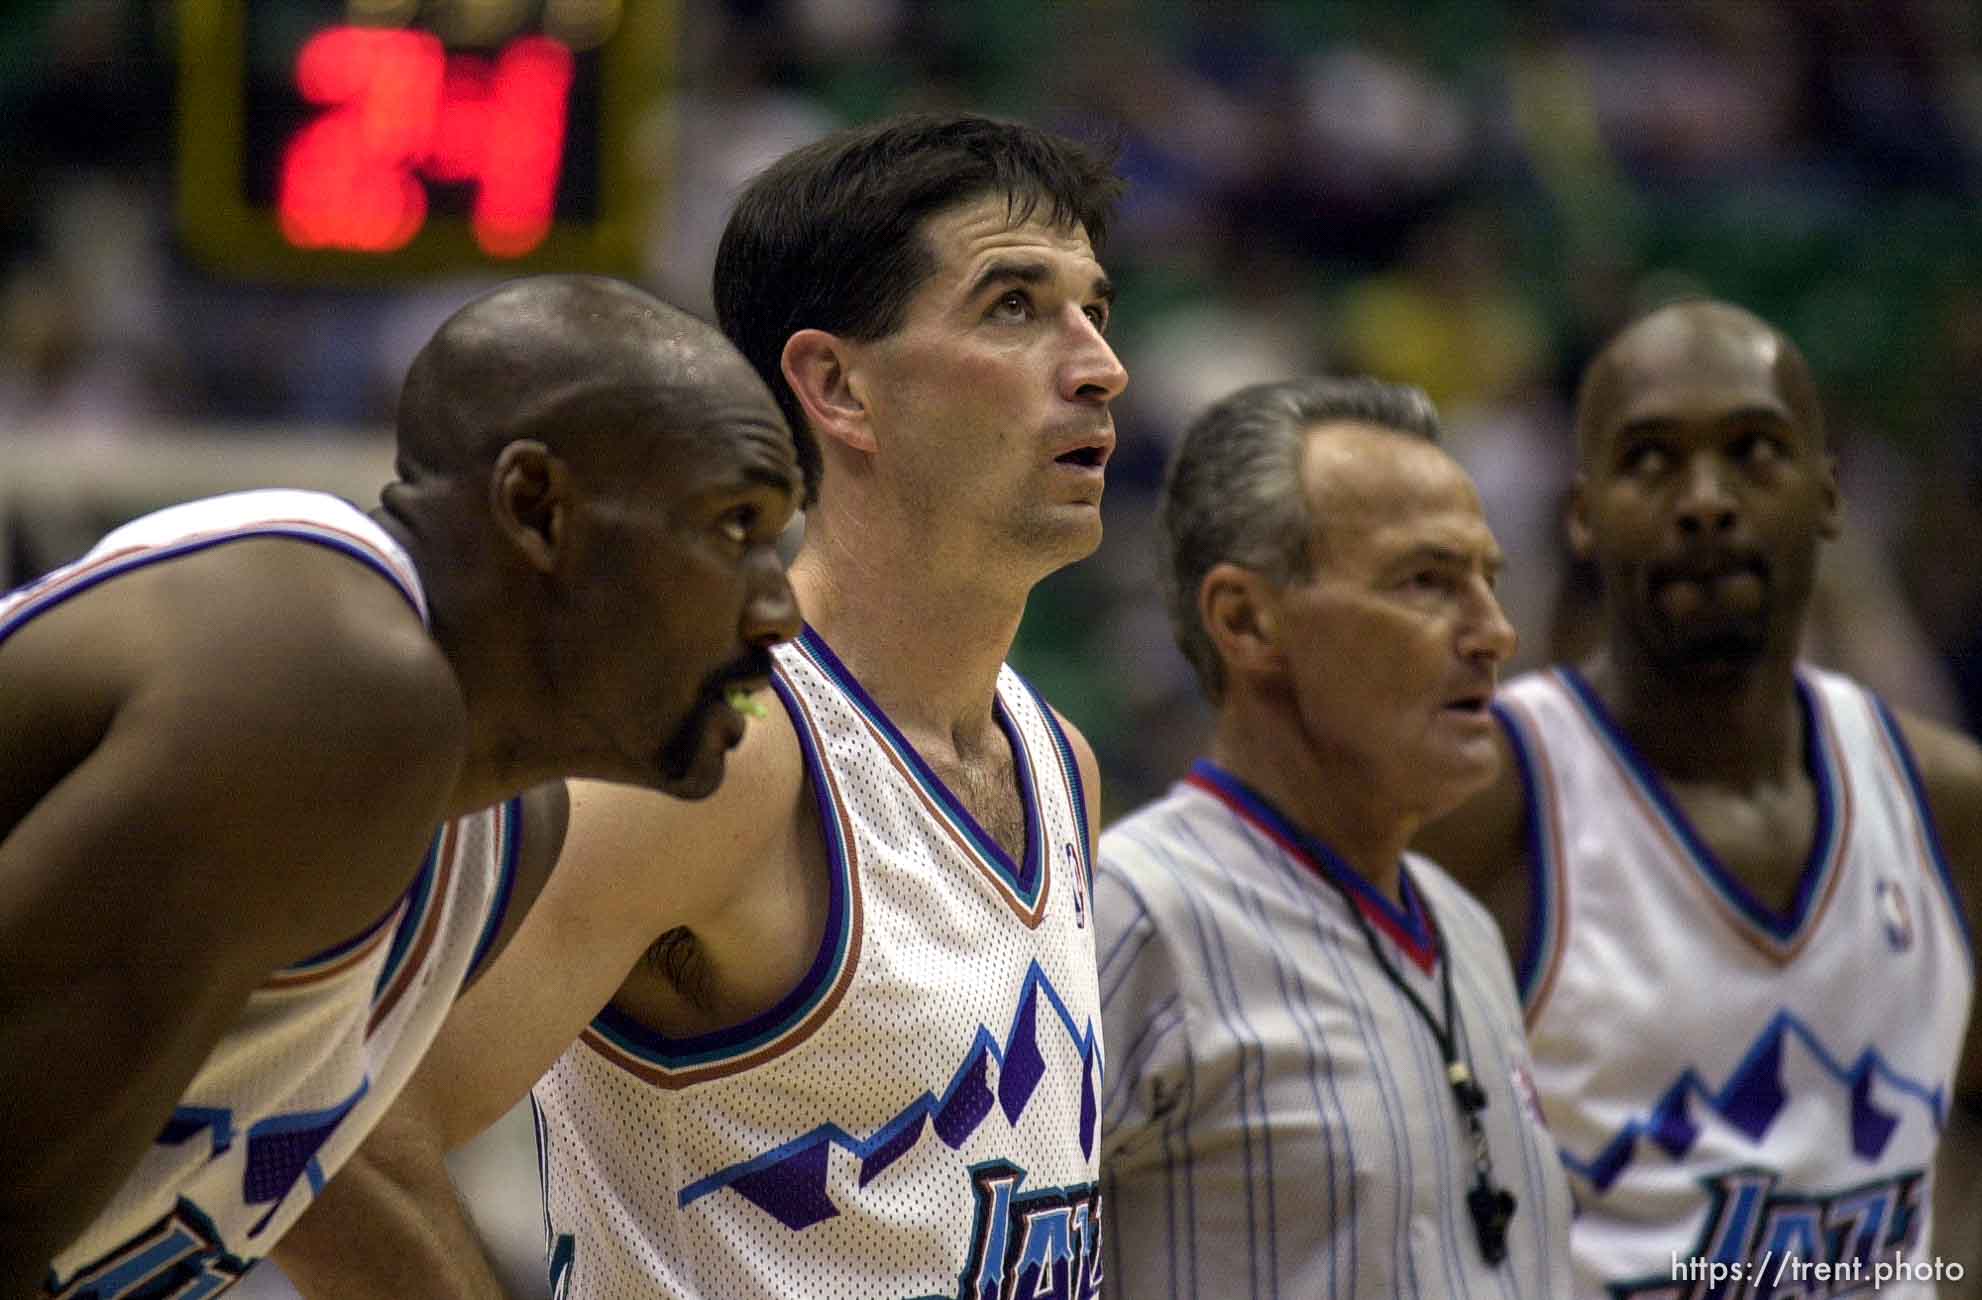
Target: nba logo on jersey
(1895, 915)
(1072, 857)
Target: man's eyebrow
(1439, 553)
(1005, 271)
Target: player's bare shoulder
(1950, 769)
(1481, 841)
(692, 856)
(1482, 845)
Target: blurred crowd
(1465, 195)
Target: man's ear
(1832, 522)
(816, 365)
(530, 499)
(1576, 518)
(1239, 609)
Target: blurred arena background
(1462, 194)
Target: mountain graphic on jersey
(790, 1183)
(1754, 1094)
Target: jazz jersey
(322, 1046)
(917, 1117)
(1731, 1084)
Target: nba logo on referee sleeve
(1072, 856)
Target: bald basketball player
(228, 928)
(1740, 891)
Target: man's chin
(699, 782)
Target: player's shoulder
(1948, 766)
(1481, 840)
(616, 830)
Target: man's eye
(1758, 448)
(1645, 458)
(1098, 313)
(1012, 306)
(740, 523)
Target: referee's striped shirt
(1276, 1120)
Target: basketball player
(1317, 1083)
(227, 926)
(838, 1036)
(1729, 879)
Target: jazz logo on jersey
(1039, 1245)
(1895, 915)
(1750, 1223)
(179, 1256)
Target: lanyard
(1490, 1205)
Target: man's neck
(1733, 727)
(926, 646)
(1341, 809)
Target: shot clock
(367, 140)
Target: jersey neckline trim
(1023, 883)
(677, 1062)
(1780, 934)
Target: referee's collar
(1409, 926)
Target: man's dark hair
(1233, 493)
(828, 236)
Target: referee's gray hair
(1232, 491)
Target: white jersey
(917, 1117)
(1277, 1121)
(1731, 1085)
(324, 1045)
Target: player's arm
(235, 760)
(634, 865)
(1482, 844)
(1950, 767)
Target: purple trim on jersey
(967, 1101)
(66, 584)
(419, 898)
(1931, 832)
(509, 830)
(654, 1047)
(331, 954)
(1407, 926)
(1025, 879)
(1825, 850)
(1541, 898)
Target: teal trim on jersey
(1026, 879)
(835, 949)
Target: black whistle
(1492, 1208)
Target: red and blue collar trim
(1409, 927)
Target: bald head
(575, 362)
(1689, 353)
